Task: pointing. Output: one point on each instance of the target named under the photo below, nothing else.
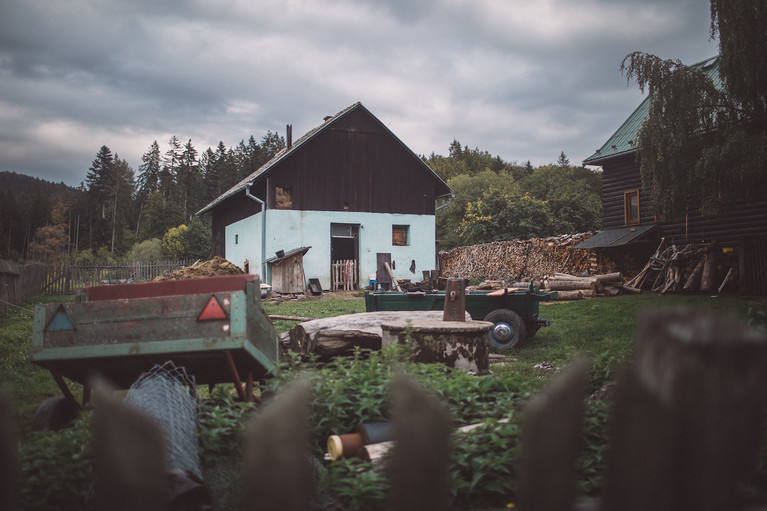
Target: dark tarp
(615, 237)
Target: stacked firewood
(674, 269)
(515, 260)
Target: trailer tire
(508, 332)
(54, 414)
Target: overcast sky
(521, 79)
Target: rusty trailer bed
(214, 327)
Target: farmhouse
(348, 194)
(627, 216)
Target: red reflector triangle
(212, 310)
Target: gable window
(283, 197)
(399, 235)
(631, 207)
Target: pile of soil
(216, 267)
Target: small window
(631, 207)
(283, 197)
(399, 235)
(236, 239)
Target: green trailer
(213, 327)
(514, 313)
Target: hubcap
(502, 333)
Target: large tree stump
(339, 335)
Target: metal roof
(615, 237)
(623, 140)
(285, 152)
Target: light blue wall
(287, 229)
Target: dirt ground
(216, 267)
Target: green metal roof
(623, 140)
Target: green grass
(354, 389)
(28, 384)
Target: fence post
(687, 416)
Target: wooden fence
(344, 275)
(20, 282)
(686, 428)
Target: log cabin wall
(619, 176)
(622, 173)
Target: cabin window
(283, 197)
(399, 235)
(236, 239)
(631, 207)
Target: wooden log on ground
(289, 318)
(568, 285)
(338, 335)
(576, 294)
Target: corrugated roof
(298, 143)
(615, 237)
(623, 140)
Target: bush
(149, 250)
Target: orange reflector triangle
(212, 310)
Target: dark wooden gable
(354, 164)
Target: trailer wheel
(509, 331)
(54, 414)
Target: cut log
(566, 285)
(570, 295)
(501, 292)
(612, 291)
(609, 277)
(391, 274)
(727, 278)
(339, 335)
(289, 318)
(693, 281)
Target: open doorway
(344, 256)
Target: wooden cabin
(349, 189)
(629, 223)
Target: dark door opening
(344, 256)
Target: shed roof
(615, 237)
(285, 152)
(623, 140)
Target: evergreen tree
(149, 172)
(170, 164)
(189, 181)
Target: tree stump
(458, 344)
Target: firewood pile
(673, 269)
(517, 260)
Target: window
(283, 197)
(236, 239)
(399, 235)
(631, 207)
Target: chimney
(289, 135)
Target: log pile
(673, 269)
(516, 260)
(574, 287)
